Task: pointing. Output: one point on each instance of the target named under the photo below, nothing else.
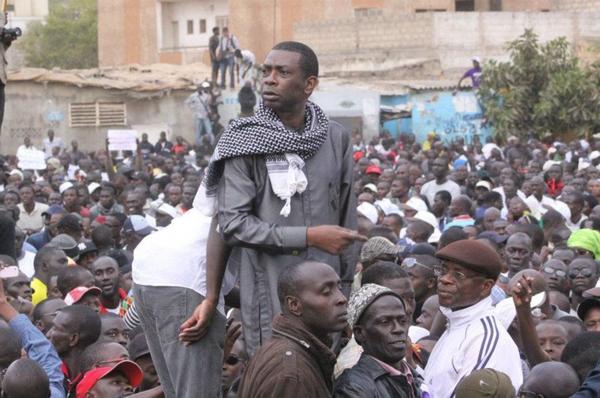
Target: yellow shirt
(40, 291)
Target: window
(365, 12)
(97, 114)
(495, 5)
(221, 22)
(465, 5)
(190, 27)
(203, 26)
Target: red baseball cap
(129, 369)
(373, 169)
(77, 294)
(358, 155)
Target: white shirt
(432, 187)
(26, 263)
(474, 339)
(198, 103)
(56, 142)
(575, 226)
(176, 256)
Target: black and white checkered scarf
(262, 134)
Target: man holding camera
(6, 38)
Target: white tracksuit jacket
(473, 340)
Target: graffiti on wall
(448, 116)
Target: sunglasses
(232, 360)
(411, 262)
(552, 271)
(586, 273)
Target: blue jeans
(227, 63)
(203, 126)
(192, 371)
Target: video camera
(10, 34)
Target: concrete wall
(450, 37)
(39, 100)
(577, 5)
(30, 8)
(127, 32)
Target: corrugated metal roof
(399, 87)
(136, 78)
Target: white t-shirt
(432, 187)
(26, 263)
(176, 256)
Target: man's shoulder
(41, 206)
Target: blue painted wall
(447, 115)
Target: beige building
(177, 31)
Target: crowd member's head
(140, 354)
(44, 313)
(518, 253)
(25, 378)
(310, 292)
(460, 206)
(441, 203)
(553, 337)
(440, 169)
(110, 381)
(582, 353)
(452, 234)
(394, 222)
(429, 310)
(187, 195)
(400, 188)
(550, 380)
(107, 196)
(88, 296)
(583, 275)
(468, 272)
(73, 329)
(115, 223)
(585, 243)
(106, 276)
(134, 203)
(103, 239)
(390, 275)
(19, 286)
(102, 354)
(71, 277)
(589, 312)
(420, 269)
(113, 329)
(380, 322)
(564, 255)
(376, 249)
(485, 383)
(233, 366)
(88, 252)
(490, 216)
(135, 228)
(48, 262)
(555, 273)
(71, 225)
(419, 231)
(10, 349)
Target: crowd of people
(287, 257)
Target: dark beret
(474, 255)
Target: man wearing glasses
(583, 275)
(474, 339)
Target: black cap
(138, 347)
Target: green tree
(541, 89)
(68, 39)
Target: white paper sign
(122, 140)
(31, 159)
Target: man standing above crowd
(198, 103)
(259, 212)
(213, 45)
(52, 142)
(474, 338)
(227, 46)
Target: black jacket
(367, 379)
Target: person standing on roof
(474, 73)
